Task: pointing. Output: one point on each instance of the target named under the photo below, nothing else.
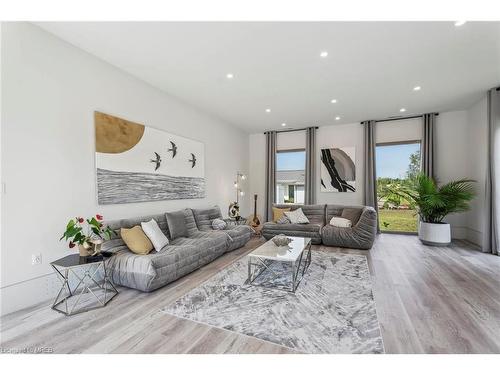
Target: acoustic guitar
(254, 220)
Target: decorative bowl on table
(281, 240)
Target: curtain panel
(491, 234)
(370, 177)
(310, 173)
(427, 146)
(270, 173)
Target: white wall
(50, 90)
(476, 152)
(452, 161)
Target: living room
(250, 187)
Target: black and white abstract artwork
(338, 169)
(138, 163)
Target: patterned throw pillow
(297, 217)
(283, 220)
(218, 224)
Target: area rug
(332, 310)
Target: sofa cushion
(239, 236)
(352, 214)
(136, 240)
(340, 222)
(278, 213)
(154, 233)
(283, 220)
(191, 226)
(205, 216)
(177, 224)
(211, 244)
(149, 272)
(270, 226)
(219, 224)
(297, 216)
(314, 212)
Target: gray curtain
(427, 147)
(310, 178)
(270, 173)
(370, 180)
(491, 234)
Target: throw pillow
(177, 224)
(278, 213)
(283, 220)
(352, 214)
(155, 235)
(136, 240)
(218, 224)
(340, 222)
(297, 217)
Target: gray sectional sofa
(199, 245)
(360, 236)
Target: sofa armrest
(367, 219)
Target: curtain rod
(401, 118)
(289, 130)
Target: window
(290, 176)
(397, 163)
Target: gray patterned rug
(332, 311)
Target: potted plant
(88, 234)
(433, 203)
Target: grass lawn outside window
(398, 220)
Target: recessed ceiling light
(402, 110)
(323, 54)
(229, 75)
(460, 23)
(333, 101)
(283, 124)
(417, 88)
(337, 118)
(268, 110)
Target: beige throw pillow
(136, 240)
(278, 213)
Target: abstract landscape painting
(137, 163)
(338, 169)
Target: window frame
(397, 143)
(276, 170)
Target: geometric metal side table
(89, 293)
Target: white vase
(434, 234)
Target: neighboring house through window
(290, 176)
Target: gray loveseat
(201, 245)
(360, 236)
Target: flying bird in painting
(157, 161)
(192, 160)
(173, 149)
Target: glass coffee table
(279, 267)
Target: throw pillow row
(142, 239)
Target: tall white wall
(476, 152)
(50, 90)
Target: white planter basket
(434, 234)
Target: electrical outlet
(36, 259)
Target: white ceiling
(371, 67)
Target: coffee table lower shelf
(258, 265)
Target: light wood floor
(429, 300)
